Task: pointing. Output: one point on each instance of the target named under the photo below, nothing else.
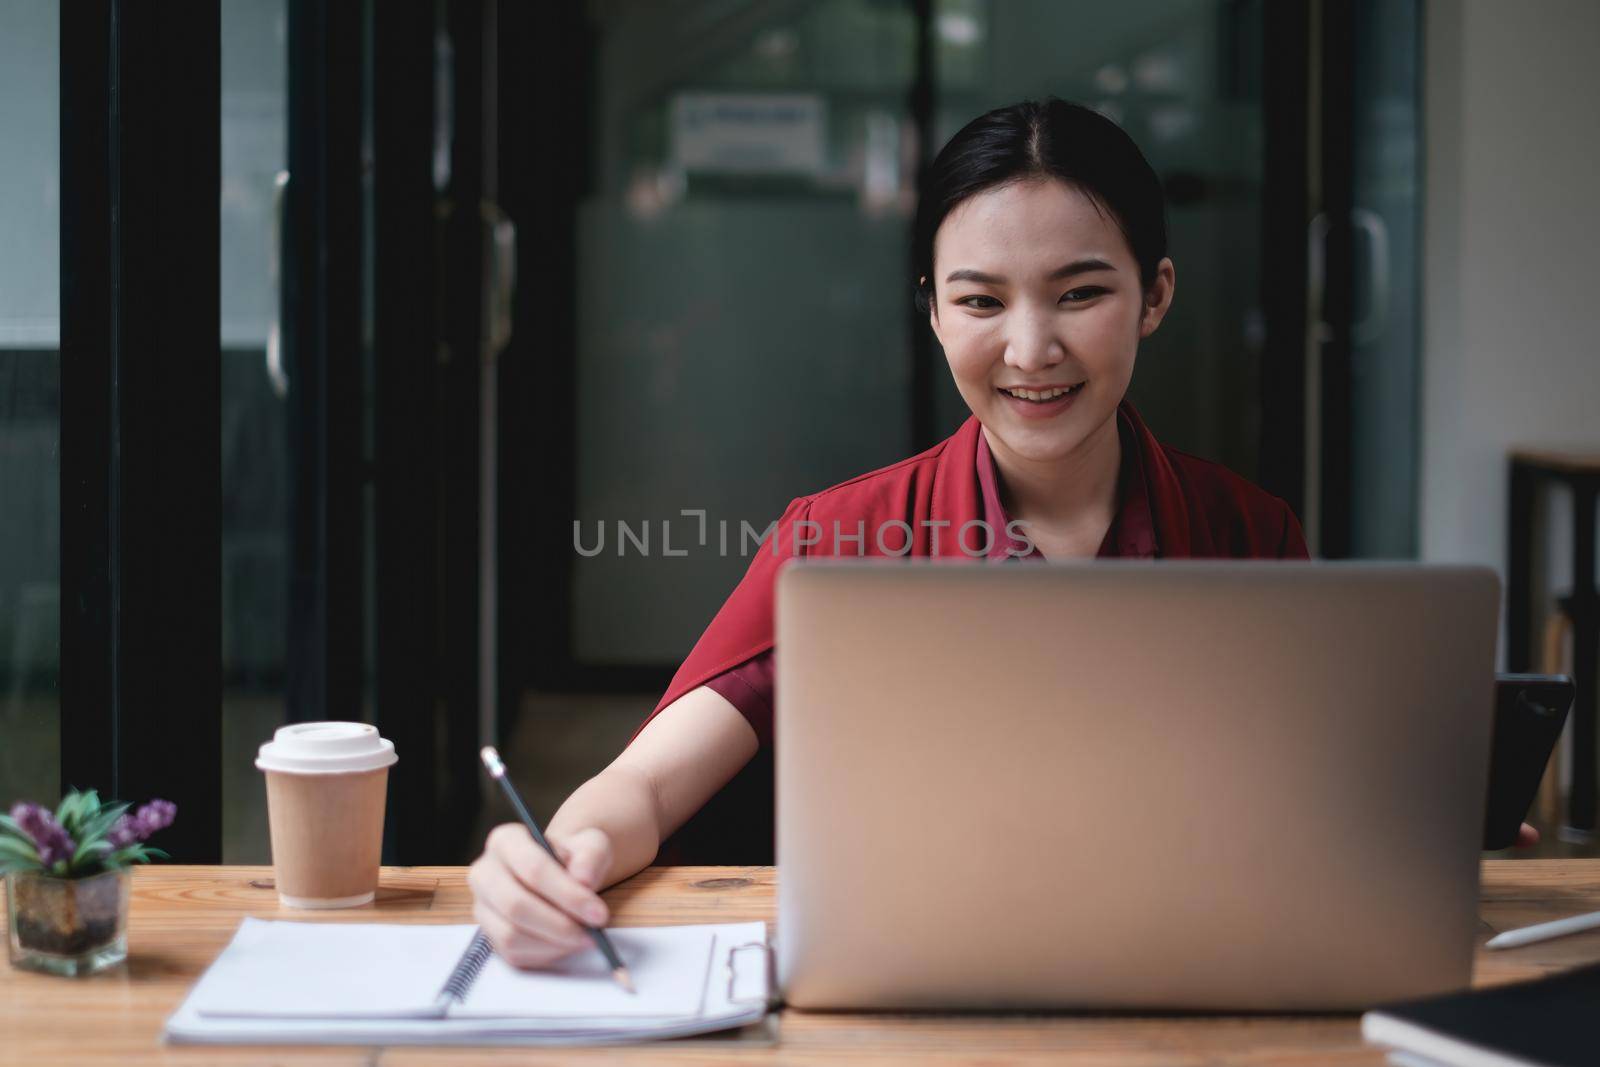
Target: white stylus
(1545, 931)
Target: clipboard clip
(765, 949)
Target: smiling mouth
(1041, 396)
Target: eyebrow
(1078, 266)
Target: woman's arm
(676, 764)
(612, 825)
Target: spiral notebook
(374, 983)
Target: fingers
(1527, 836)
(524, 929)
(542, 876)
(513, 945)
(529, 913)
(587, 855)
(531, 909)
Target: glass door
(1385, 329)
(30, 403)
(255, 395)
(351, 401)
(741, 262)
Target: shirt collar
(1132, 533)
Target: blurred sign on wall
(749, 133)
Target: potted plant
(67, 879)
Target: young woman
(1042, 253)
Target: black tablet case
(1551, 1021)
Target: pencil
(497, 771)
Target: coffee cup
(326, 786)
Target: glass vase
(67, 926)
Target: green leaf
(88, 808)
(73, 807)
(99, 825)
(22, 851)
(89, 852)
(134, 854)
(8, 824)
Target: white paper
(332, 970)
(669, 966)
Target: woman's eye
(967, 301)
(1078, 296)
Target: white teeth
(1037, 394)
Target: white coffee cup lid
(326, 748)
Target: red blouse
(750, 686)
(1170, 505)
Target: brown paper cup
(327, 831)
(326, 786)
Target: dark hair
(1047, 138)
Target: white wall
(1511, 247)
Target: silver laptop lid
(1253, 785)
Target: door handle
(275, 371)
(1371, 328)
(1317, 277)
(499, 277)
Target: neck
(1080, 487)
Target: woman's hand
(533, 911)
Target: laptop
(1130, 785)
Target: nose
(1031, 341)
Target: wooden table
(182, 916)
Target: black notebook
(1549, 1022)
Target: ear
(1157, 299)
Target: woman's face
(1040, 309)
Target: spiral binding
(467, 968)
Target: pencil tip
(624, 979)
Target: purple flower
(135, 828)
(124, 832)
(49, 839)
